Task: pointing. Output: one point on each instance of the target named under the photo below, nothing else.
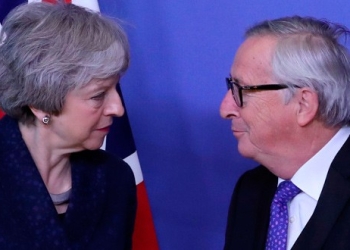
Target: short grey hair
(309, 53)
(50, 49)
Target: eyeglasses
(238, 89)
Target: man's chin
(245, 150)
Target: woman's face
(87, 115)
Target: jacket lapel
(26, 207)
(25, 199)
(88, 197)
(334, 196)
(263, 210)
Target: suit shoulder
(249, 209)
(257, 175)
(255, 182)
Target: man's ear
(308, 106)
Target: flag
(119, 142)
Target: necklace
(61, 198)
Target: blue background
(181, 53)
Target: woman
(59, 67)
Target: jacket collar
(334, 196)
(24, 196)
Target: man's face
(264, 124)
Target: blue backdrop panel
(181, 53)
(6, 6)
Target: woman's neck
(52, 162)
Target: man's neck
(309, 141)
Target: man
(289, 103)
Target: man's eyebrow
(236, 80)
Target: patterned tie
(278, 227)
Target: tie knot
(286, 191)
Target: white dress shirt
(310, 178)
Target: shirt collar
(311, 177)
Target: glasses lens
(235, 93)
(228, 84)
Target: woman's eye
(99, 96)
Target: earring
(46, 119)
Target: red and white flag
(120, 142)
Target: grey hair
(309, 53)
(51, 49)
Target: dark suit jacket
(101, 211)
(328, 227)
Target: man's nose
(228, 107)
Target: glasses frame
(239, 99)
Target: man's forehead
(257, 48)
(252, 62)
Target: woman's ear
(40, 115)
(308, 106)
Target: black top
(101, 210)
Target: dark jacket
(328, 227)
(102, 207)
